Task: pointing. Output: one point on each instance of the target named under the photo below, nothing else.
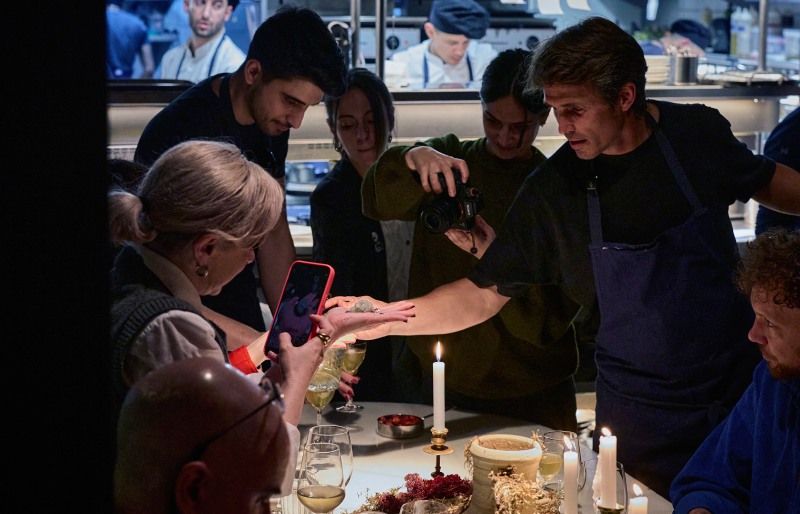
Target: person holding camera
(519, 361)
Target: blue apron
(672, 351)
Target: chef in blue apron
(452, 53)
(630, 216)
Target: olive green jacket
(529, 345)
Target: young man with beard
(208, 51)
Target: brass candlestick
(609, 510)
(438, 447)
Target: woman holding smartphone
(190, 227)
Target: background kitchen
(753, 102)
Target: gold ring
(325, 338)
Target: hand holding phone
(304, 293)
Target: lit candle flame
(438, 351)
(637, 490)
(568, 444)
(606, 432)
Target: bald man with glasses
(196, 435)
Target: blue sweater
(751, 461)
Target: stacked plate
(657, 68)
(586, 425)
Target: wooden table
(381, 463)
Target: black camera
(446, 212)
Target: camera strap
(472, 250)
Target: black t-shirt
(200, 114)
(544, 238)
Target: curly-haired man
(751, 462)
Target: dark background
(57, 450)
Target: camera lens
(441, 214)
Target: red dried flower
(418, 488)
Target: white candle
(638, 504)
(438, 390)
(570, 479)
(608, 465)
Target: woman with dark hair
(370, 257)
(520, 361)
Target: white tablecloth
(381, 463)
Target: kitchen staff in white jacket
(451, 54)
(208, 51)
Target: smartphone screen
(304, 293)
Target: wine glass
(621, 493)
(325, 380)
(321, 484)
(335, 434)
(551, 464)
(355, 351)
(570, 441)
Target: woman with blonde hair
(191, 226)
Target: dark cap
(464, 17)
(695, 31)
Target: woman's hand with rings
(343, 321)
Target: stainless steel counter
(752, 110)
(421, 114)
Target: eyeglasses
(274, 395)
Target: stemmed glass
(326, 379)
(321, 484)
(621, 494)
(562, 436)
(551, 463)
(339, 435)
(355, 351)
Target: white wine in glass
(321, 484)
(552, 460)
(325, 381)
(320, 498)
(550, 465)
(354, 354)
(570, 441)
(320, 391)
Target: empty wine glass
(325, 380)
(620, 493)
(355, 351)
(339, 435)
(321, 484)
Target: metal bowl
(400, 426)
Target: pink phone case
(304, 292)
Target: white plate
(584, 416)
